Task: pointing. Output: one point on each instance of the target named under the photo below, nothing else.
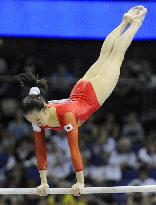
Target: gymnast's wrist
(80, 176)
(43, 176)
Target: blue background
(70, 19)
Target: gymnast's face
(39, 118)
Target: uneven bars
(87, 190)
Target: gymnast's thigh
(106, 80)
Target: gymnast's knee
(118, 52)
(117, 56)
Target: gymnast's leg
(108, 44)
(108, 74)
(106, 49)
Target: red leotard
(81, 104)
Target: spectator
(57, 163)
(60, 140)
(18, 127)
(107, 142)
(111, 126)
(105, 171)
(143, 179)
(65, 79)
(133, 129)
(147, 154)
(124, 156)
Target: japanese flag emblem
(68, 127)
(36, 128)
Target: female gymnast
(87, 96)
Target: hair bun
(34, 91)
(28, 81)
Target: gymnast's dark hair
(32, 102)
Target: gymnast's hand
(42, 190)
(77, 188)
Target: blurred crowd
(117, 144)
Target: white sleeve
(144, 156)
(36, 128)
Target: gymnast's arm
(41, 156)
(71, 128)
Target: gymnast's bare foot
(130, 14)
(142, 11)
(136, 13)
